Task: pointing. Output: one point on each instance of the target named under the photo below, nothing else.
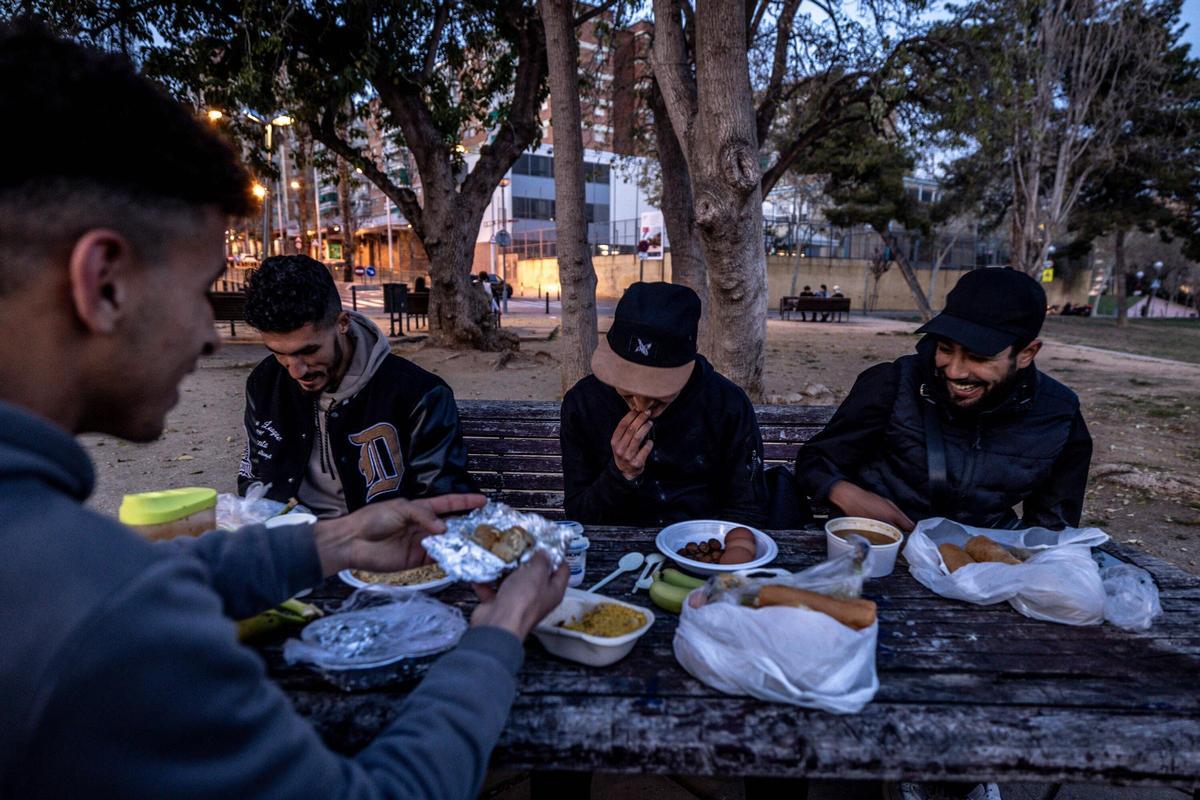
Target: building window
(597, 212)
(596, 173)
(536, 166)
(533, 208)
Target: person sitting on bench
(656, 435)
(333, 417)
(967, 428)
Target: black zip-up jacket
(398, 437)
(1032, 447)
(707, 461)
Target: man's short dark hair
(288, 292)
(93, 144)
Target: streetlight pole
(317, 207)
(1154, 285)
(504, 182)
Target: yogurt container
(576, 557)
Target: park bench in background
(513, 448)
(228, 307)
(824, 305)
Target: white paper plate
(673, 537)
(349, 578)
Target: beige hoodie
(322, 489)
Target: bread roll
(857, 613)
(981, 548)
(954, 556)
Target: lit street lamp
(280, 120)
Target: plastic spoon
(628, 563)
(647, 579)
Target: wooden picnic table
(966, 693)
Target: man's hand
(854, 501)
(386, 536)
(630, 447)
(524, 597)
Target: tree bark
(687, 258)
(910, 277)
(345, 190)
(1119, 277)
(727, 193)
(576, 275)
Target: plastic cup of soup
(885, 542)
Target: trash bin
(395, 297)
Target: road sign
(503, 238)
(370, 272)
(1048, 275)
(359, 271)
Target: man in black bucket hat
(655, 434)
(967, 428)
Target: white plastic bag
(782, 654)
(235, 511)
(1132, 598)
(1058, 581)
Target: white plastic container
(595, 651)
(882, 558)
(576, 555)
(671, 538)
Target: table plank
(967, 693)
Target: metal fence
(789, 238)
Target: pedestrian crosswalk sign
(1048, 275)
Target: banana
(668, 596)
(677, 578)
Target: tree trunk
(344, 199)
(910, 277)
(679, 217)
(1119, 277)
(726, 182)
(576, 275)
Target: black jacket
(398, 437)
(1032, 447)
(707, 461)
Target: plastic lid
(155, 508)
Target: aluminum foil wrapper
(377, 638)
(465, 560)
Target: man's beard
(330, 385)
(991, 397)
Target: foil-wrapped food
(493, 540)
(377, 637)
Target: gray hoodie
(322, 489)
(120, 673)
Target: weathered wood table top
(966, 693)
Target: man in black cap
(656, 435)
(966, 429)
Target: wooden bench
(228, 307)
(825, 305)
(514, 455)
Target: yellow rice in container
(607, 619)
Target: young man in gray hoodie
(333, 417)
(120, 673)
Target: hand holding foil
(462, 557)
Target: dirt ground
(1142, 412)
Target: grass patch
(1177, 339)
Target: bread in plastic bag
(378, 636)
(1131, 600)
(1058, 581)
(779, 653)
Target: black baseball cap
(990, 309)
(651, 347)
